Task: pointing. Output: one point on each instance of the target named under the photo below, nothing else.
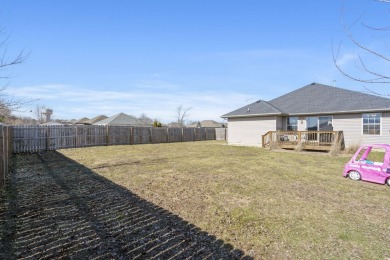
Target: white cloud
(157, 102)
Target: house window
(321, 123)
(372, 124)
(292, 123)
(325, 123)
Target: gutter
(314, 113)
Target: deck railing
(310, 140)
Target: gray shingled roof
(315, 99)
(120, 119)
(259, 107)
(82, 120)
(206, 123)
(96, 119)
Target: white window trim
(380, 124)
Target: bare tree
(8, 103)
(38, 113)
(182, 114)
(145, 120)
(366, 72)
(5, 111)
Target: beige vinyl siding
(352, 126)
(248, 131)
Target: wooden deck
(307, 140)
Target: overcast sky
(105, 57)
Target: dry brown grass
(337, 147)
(267, 203)
(299, 147)
(351, 149)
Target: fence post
(131, 135)
(10, 141)
(47, 138)
(167, 135)
(3, 156)
(108, 134)
(75, 136)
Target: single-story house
(207, 123)
(120, 119)
(52, 123)
(363, 118)
(82, 121)
(95, 119)
(87, 121)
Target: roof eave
(254, 115)
(313, 113)
(342, 112)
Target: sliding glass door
(312, 123)
(318, 123)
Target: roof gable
(96, 119)
(82, 120)
(120, 119)
(259, 107)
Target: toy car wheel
(388, 181)
(354, 175)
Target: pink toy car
(361, 168)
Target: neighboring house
(146, 121)
(207, 123)
(95, 120)
(53, 123)
(363, 118)
(82, 121)
(120, 119)
(174, 125)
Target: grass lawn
(270, 204)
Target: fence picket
(38, 138)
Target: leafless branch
(374, 77)
(8, 103)
(182, 114)
(376, 28)
(370, 91)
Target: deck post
(262, 141)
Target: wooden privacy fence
(221, 133)
(39, 138)
(5, 152)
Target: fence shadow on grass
(55, 208)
